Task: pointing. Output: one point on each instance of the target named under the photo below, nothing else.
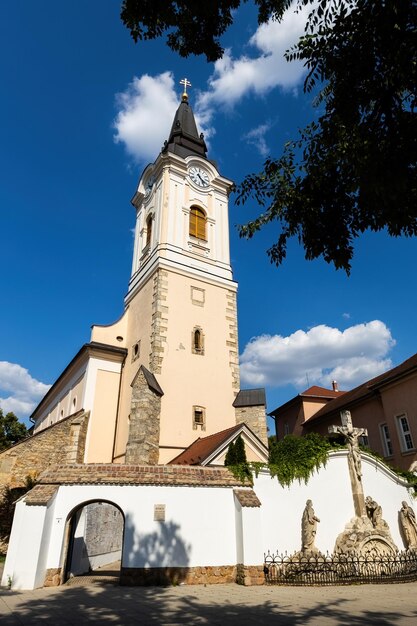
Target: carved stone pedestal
(360, 538)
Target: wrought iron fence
(339, 569)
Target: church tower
(181, 376)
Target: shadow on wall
(161, 557)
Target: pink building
(386, 405)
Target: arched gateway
(93, 539)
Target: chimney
(335, 385)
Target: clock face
(199, 176)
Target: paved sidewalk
(219, 605)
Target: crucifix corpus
(351, 436)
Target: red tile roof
(321, 392)
(311, 392)
(201, 448)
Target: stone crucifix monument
(352, 435)
(367, 534)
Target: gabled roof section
(321, 392)
(250, 397)
(314, 392)
(205, 450)
(184, 139)
(202, 448)
(368, 389)
(94, 348)
(150, 380)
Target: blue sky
(83, 110)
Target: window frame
(386, 440)
(200, 348)
(149, 224)
(198, 230)
(201, 423)
(404, 434)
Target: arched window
(148, 231)
(198, 223)
(197, 341)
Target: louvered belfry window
(197, 223)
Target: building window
(405, 433)
(148, 231)
(135, 351)
(199, 417)
(386, 440)
(286, 429)
(198, 223)
(197, 341)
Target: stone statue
(351, 435)
(309, 528)
(374, 512)
(409, 526)
(352, 440)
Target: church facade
(129, 443)
(167, 372)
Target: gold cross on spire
(186, 84)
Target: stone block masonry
(250, 575)
(63, 442)
(255, 418)
(143, 442)
(232, 343)
(211, 575)
(159, 321)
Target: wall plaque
(159, 513)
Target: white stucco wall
(24, 566)
(330, 491)
(192, 524)
(203, 525)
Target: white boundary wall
(204, 526)
(330, 491)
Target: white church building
(153, 402)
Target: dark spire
(184, 139)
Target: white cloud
(346, 316)
(322, 353)
(23, 391)
(147, 106)
(146, 111)
(233, 78)
(256, 138)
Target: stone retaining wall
(250, 575)
(134, 576)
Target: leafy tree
(298, 457)
(353, 169)
(230, 458)
(236, 453)
(11, 430)
(240, 451)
